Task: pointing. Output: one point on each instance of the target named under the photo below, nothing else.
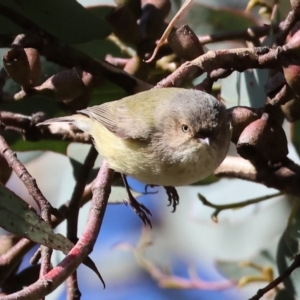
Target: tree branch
(51, 280)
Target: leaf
(77, 153)
(246, 89)
(17, 217)
(28, 107)
(108, 92)
(284, 295)
(215, 19)
(208, 180)
(98, 49)
(288, 247)
(7, 26)
(67, 20)
(234, 271)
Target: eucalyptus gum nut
(62, 86)
(291, 110)
(291, 64)
(33, 57)
(185, 43)
(292, 76)
(240, 117)
(263, 138)
(72, 105)
(23, 66)
(294, 44)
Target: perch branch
(51, 280)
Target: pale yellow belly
(133, 158)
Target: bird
(162, 137)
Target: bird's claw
(173, 196)
(140, 209)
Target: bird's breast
(138, 159)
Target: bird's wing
(126, 117)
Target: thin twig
(287, 272)
(285, 177)
(218, 208)
(73, 291)
(10, 260)
(83, 247)
(30, 183)
(26, 125)
(251, 33)
(167, 280)
(26, 178)
(238, 59)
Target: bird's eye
(185, 128)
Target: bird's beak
(205, 141)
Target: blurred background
(186, 245)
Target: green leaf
(108, 92)
(28, 107)
(246, 89)
(77, 153)
(208, 180)
(7, 26)
(234, 271)
(216, 19)
(284, 295)
(98, 49)
(67, 20)
(288, 247)
(17, 217)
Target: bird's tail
(80, 121)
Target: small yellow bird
(168, 136)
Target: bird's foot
(173, 196)
(140, 209)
